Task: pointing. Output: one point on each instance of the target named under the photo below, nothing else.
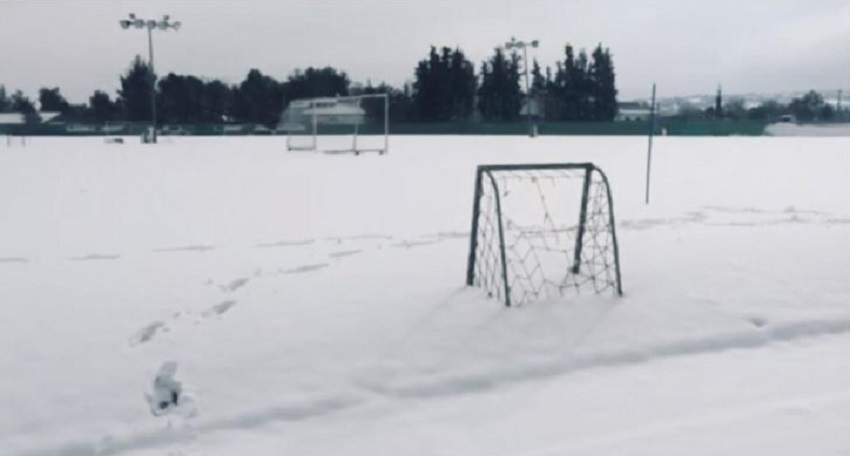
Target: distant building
(633, 111)
(300, 114)
(13, 122)
(17, 118)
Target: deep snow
(315, 303)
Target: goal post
(540, 231)
(299, 122)
(347, 124)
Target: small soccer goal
(15, 140)
(352, 124)
(541, 231)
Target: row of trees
(18, 102)
(810, 107)
(581, 88)
(445, 88)
(188, 99)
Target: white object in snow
(167, 391)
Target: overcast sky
(686, 46)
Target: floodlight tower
(163, 24)
(524, 45)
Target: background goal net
(353, 124)
(540, 231)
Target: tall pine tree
(500, 97)
(135, 92)
(445, 85)
(463, 85)
(258, 99)
(604, 91)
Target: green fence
(669, 127)
(663, 126)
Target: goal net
(353, 124)
(540, 231)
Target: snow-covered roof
(11, 118)
(16, 118)
(326, 107)
(47, 116)
(336, 110)
(635, 112)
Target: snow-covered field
(315, 304)
(790, 129)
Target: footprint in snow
(14, 260)
(344, 253)
(234, 285)
(758, 322)
(96, 257)
(186, 248)
(147, 333)
(219, 308)
(286, 243)
(305, 268)
(410, 244)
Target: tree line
(445, 87)
(809, 107)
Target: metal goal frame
(485, 176)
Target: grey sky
(686, 46)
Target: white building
(300, 114)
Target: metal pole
(502, 255)
(582, 220)
(651, 133)
(153, 83)
(473, 236)
(527, 93)
(386, 123)
(315, 126)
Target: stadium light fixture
(524, 45)
(150, 24)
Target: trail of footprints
(708, 215)
(203, 248)
(150, 331)
(721, 216)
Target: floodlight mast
(164, 24)
(524, 45)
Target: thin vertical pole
(613, 227)
(386, 123)
(473, 235)
(527, 93)
(502, 254)
(651, 133)
(582, 220)
(153, 82)
(356, 131)
(315, 126)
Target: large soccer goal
(351, 124)
(540, 231)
